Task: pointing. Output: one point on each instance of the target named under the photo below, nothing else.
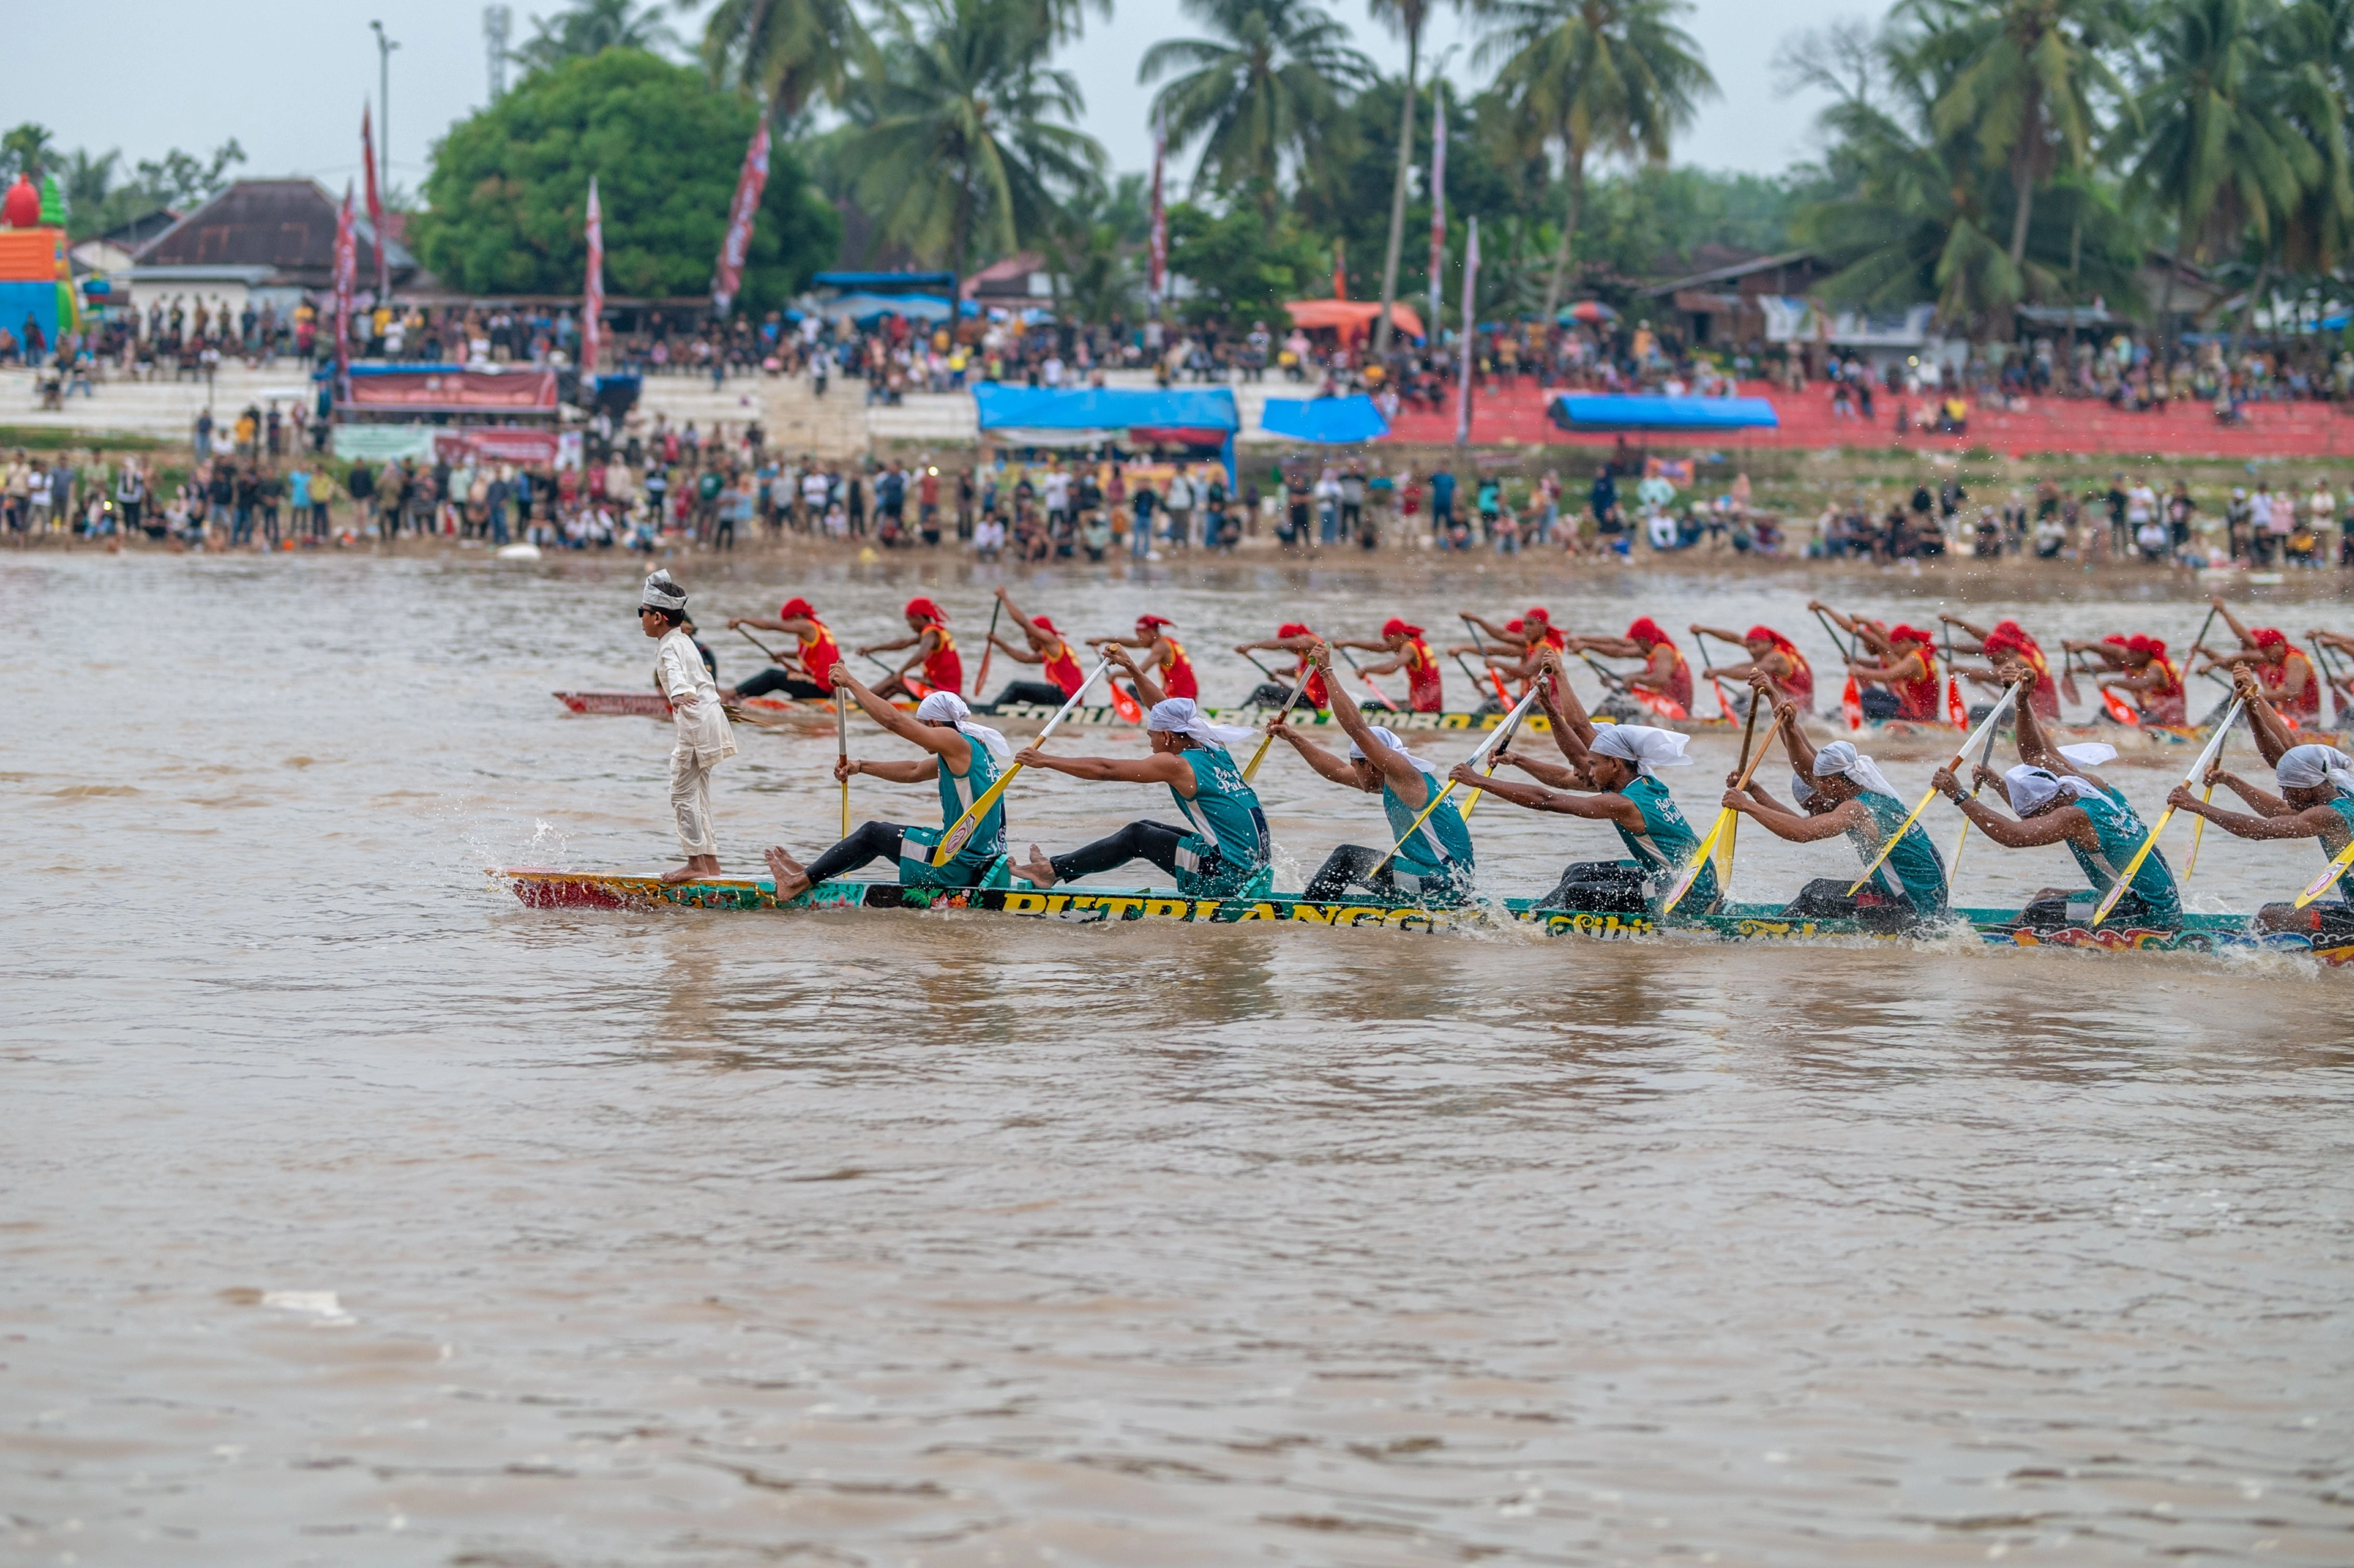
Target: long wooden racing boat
(547, 889)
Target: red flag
(1438, 204)
(1157, 268)
(592, 298)
(2118, 708)
(346, 278)
(1957, 712)
(374, 209)
(1851, 704)
(1339, 268)
(738, 242)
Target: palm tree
(1408, 17)
(1259, 95)
(967, 136)
(792, 52)
(1595, 77)
(1924, 216)
(2024, 78)
(2215, 153)
(592, 27)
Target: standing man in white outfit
(703, 737)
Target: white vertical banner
(1465, 337)
(592, 295)
(728, 277)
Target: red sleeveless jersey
(1177, 680)
(943, 669)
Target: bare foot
(1040, 872)
(792, 878)
(686, 872)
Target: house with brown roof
(269, 240)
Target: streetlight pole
(384, 47)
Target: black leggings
(1604, 887)
(773, 680)
(872, 841)
(1155, 841)
(1352, 864)
(1045, 693)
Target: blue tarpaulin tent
(1620, 411)
(1334, 421)
(1111, 412)
(886, 283)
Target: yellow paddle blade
(2330, 874)
(957, 837)
(2117, 888)
(2198, 832)
(1889, 844)
(1725, 854)
(1420, 817)
(1959, 845)
(1251, 770)
(1690, 872)
(845, 808)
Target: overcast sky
(287, 81)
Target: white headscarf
(946, 707)
(2090, 754)
(661, 591)
(1840, 756)
(1183, 715)
(1644, 746)
(2030, 787)
(1388, 737)
(2306, 766)
(1803, 788)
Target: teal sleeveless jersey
(2343, 804)
(1919, 870)
(1229, 828)
(968, 866)
(1665, 844)
(2121, 833)
(1440, 849)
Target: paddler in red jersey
(1165, 658)
(1665, 676)
(818, 654)
(2283, 669)
(2137, 665)
(1902, 682)
(1426, 691)
(1532, 632)
(1297, 640)
(934, 649)
(1771, 655)
(1046, 647)
(2006, 640)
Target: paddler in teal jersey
(2315, 802)
(964, 760)
(1433, 863)
(1613, 767)
(1838, 791)
(2057, 802)
(1224, 849)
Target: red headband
(1293, 629)
(1154, 621)
(1645, 633)
(1394, 627)
(925, 608)
(797, 607)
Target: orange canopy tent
(1350, 318)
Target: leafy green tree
(2216, 153)
(1607, 78)
(1243, 268)
(590, 27)
(509, 187)
(970, 140)
(2025, 79)
(1407, 18)
(27, 149)
(1260, 95)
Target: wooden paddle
(1986, 757)
(962, 832)
(842, 748)
(1724, 703)
(2206, 756)
(1503, 697)
(1485, 747)
(774, 657)
(988, 650)
(2329, 877)
(1251, 771)
(2068, 678)
(917, 688)
(1850, 695)
(1889, 844)
(1690, 872)
(1733, 829)
(1471, 802)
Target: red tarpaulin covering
(1350, 317)
(500, 443)
(458, 389)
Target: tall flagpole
(1438, 203)
(376, 210)
(1156, 278)
(1467, 332)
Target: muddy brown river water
(352, 1213)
